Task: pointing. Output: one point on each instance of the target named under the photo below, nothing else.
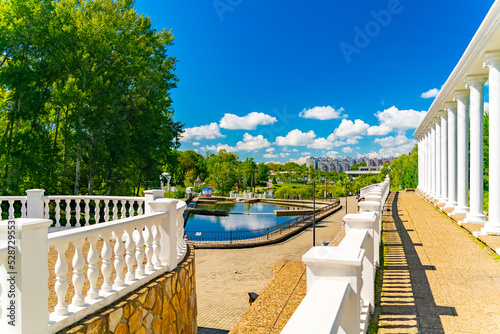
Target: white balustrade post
(366, 221)
(168, 230)
(476, 85)
(373, 207)
(31, 280)
(337, 264)
(492, 226)
(462, 99)
(444, 157)
(452, 155)
(150, 196)
(35, 203)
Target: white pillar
(428, 182)
(451, 107)
(34, 203)
(420, 162)
(433, 161)
(437, 142)
(476, 85)
(492, 60)
(444, 157)
(462, 99)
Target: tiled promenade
(437, 277)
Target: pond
(244, 221)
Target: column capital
(461, 95)
(450, 106)
(442, 113)
(476, 81)
(492, 59)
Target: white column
(428, 173)
(476, 85)
(451, 107)
(420, 163)
(462, 99)
(433, 160)
(492, 226)
(437, 141)
(444, 157)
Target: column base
(492, 228)
(443, 200)
(475, 218)
(460, 210)
(450, 205)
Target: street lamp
(314, 212)
(344, 182)
(168, 177)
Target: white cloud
(248, 122)
(270, 156)
(296, 138)
(219, 147)
(285, 149)
(210, 131)
(348, 141)
(386, 152)
(430, 93)
(322, 113)
(195, 143)
(299, 161)
(394, 141)
(331, 154)
(348, 128)
(284, 154)
(347, 149)
(394, 119)
(251, 143)
(295, 150)
(321, 144)
(270, 149)
(306, 153)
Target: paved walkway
(437, 277)
(225, 276)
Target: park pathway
(225, 276)
(437, 278)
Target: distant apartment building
(344, 164)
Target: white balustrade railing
(15, 205)
(250, 195)
(134, 250)
(341, 280)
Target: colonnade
(446, 174)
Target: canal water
(243, 219)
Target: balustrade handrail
(103, 228)
(100, 197)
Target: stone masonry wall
(165, 305)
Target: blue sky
(280, 80)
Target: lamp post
(344, 182)
(168, 177)
(314, 212)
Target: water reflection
(237, 220)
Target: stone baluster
(131, 208)
(148, 238)
(11, 209)
(106, 210)
(119, 261)
(23, 209)
(87, 211)
(1, 208)
(78, 276)
(46, 213)
(139, 251)
(77, 212)
(106, 266)
(140, 211)
(97, 211)
(156, 246)
(58, 213)
(68, 212)
(93, 270)
(129, 256)
(115, 209)
(124, 209)
(61, 285)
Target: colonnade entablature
(455, 123)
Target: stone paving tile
(454, 279)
